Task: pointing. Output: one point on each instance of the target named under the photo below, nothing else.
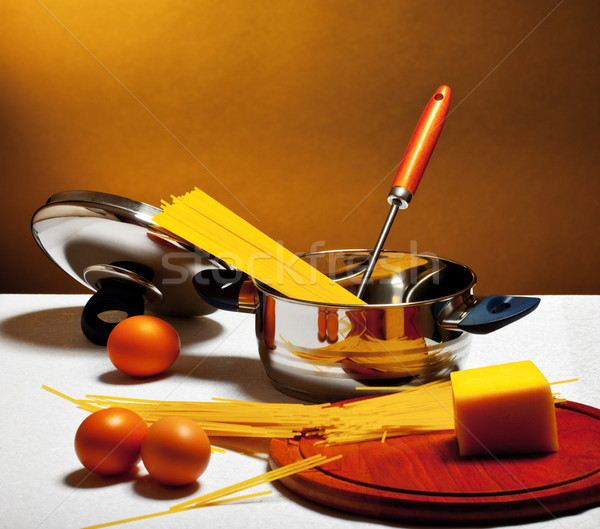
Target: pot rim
(269, 291)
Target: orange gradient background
(295, 114)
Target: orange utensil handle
(420, 148)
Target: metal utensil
(411, 168)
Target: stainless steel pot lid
(97, 236)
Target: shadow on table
(85, 479)
(143, 485)
(148, 487)
(58, 327)
(245, 373)
(61, 328)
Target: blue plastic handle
(495, 312)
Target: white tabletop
(44, 485)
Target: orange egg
(143, 346)
(108, 442)
(176, 451)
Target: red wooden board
(423, 479)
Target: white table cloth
(43, 485)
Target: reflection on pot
(415, 328)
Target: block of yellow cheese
(504, 409)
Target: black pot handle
(494, 312)
(120, 298)
(220, 288)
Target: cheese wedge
(504, 409)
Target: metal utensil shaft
(378, 247)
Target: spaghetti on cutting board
(202, 221)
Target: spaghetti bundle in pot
(202, 221)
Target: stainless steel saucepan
(415, 328)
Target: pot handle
(494, 312)
(230, 290)
(111, 296)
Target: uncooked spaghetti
(407, 411)
(202, 221)
(215, 498)
(414, 410)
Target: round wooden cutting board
(423, 479)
